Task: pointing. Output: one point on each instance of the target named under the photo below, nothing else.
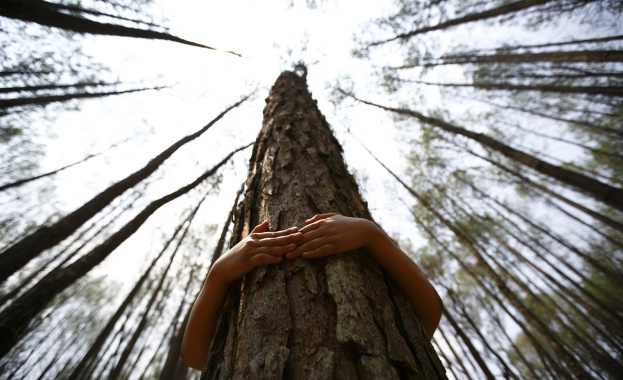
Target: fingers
(277, 241)
(272, 234)
(260, 227)
(279, 250)
(317, 217)
(264, 259)
(311, 241)
(325, 250)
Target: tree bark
(338, 317)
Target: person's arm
(259, 248)
(329, 234)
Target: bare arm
(329, 234)
(259, 248)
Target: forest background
(496, 164)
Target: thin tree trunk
(23, 181)
(156, 294)
(599, 190)
(552, 57)
(550, 44)
(573, 329)
(19, 254)
(5, 90)
(48, 14)
(457, 357)
(584, 124)
(495, 12)
(26, 281)
(597, 216)
(15, 318)
(335, 317)
(612, 91)
(6, 104)
(468, 343)
(508, 371)
(592, 150)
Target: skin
(323, 235)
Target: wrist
(372, 234)
(217, 276)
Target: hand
(328, 234)
(259, 248)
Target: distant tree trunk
(49, 14)
(338, 317)
(614, 91)
(84, 366)
(468, 343)
(553, 57)
(6, 104)
(605, 193)
(472, 17)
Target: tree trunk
(611, 91)
(6, 104)
(48, 14)
(553, 57)
(336, 317)
(605, 193)
(468, 343)
(490, 13)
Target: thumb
(261, 227)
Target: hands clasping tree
(337, 317)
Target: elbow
(437, 316)
(191, 360)
(434, 318)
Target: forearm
(422, 296)
(202, 321)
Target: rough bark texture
(338, 317)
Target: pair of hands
(323, 235)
